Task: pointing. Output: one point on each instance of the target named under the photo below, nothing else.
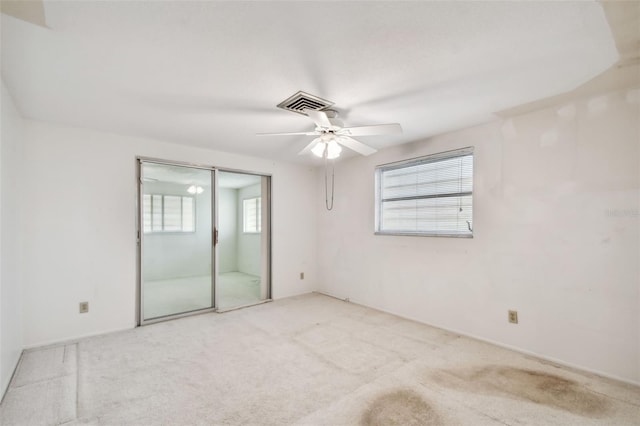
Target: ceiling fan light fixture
(319, 149)
(330, 149)
(331, 133)
(333, 150)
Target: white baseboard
(493, 342)
(73, 339)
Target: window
(252, 215)
(168, 213)
(426, 196)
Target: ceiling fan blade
(288, 134)
(319, 117)
(308, 147)
(356, 146)
(376, 129)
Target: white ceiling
(210, 74)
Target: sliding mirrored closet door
(204, 239)
(176, 254)
(243, 239)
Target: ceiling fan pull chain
(326, 189)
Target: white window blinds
(172, 213)
(427, 196)
(252, 214)
(168, 213)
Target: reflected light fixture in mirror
(195, 189)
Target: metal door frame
(214, 231)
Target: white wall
(79, 233)
(175, 254)
(228, 228)
(556, 237)
(11, 189)
(249, 254)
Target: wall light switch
(84, 307)
(302, 275)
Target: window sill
(417, 234)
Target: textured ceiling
(209, 74)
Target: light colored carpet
(178, 295)
(43, 390)
(308, 360)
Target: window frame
(162, 215)
(431, 158)
(258, 215)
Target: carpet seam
(42, 381)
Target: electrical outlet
(302, 275)
(513, 317)
(84, 307)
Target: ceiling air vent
(302, 100)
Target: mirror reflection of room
(177, 253)
(177, 246)
(240, 240)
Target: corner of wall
(11, 159)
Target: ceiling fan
(332, 133)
